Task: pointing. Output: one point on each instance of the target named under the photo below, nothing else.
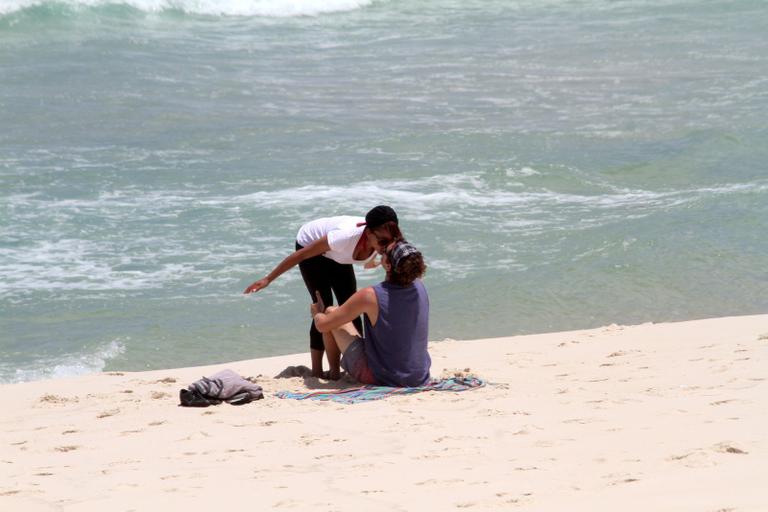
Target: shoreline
(668, 416)
(295, 358)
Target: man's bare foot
(334, 375)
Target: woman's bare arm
(316, 248)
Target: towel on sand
(367, 393)
(224, 386)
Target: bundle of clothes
(224, 386)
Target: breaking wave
(266, 8)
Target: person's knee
(329, 342)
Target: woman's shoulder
(417, 284)
(332, 223)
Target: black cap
(380, 215)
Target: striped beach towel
(368, 393)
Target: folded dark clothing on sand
(224, 386)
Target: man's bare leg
(336, 343)
(334, 355)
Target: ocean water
(562, 164)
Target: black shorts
(325, 275)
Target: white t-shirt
(343, 235)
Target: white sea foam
(522, 172)
(181, 257)
(469, 191)
(147, 263)
(267, 8)
(69, 265)
(70, 365)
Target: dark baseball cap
(380, 215)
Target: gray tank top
(396, 347)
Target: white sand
(649, 417)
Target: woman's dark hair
(388, 232)
(379, 215)
(409, 267)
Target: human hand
(258, 285)
(317, 307)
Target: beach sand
(650, 417)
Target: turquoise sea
(562, 164)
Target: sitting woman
(394, 349)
